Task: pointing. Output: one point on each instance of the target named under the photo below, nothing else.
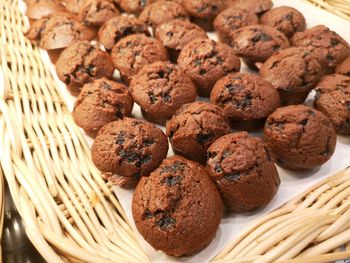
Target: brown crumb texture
(205, 9)
(344, 67)
(256, 6)
(97, 12)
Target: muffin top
(43, 8)
(134, 6)
(97, 12)
(344, 67)
(205, 9)
(256, 6)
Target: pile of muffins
(165, 60)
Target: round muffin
(344, 68)
(243, 170)
(326, 45)
(133, 52)
(43, 8)
(176, 199)
(256, 43)
(232, 19)
(203, 12)
(134, 6)
(97, 12)
(194, 127)
(300, 137)
(246, 100)
(293, 72)
(175, 34)
(119, 27)
(81, 63)
(161, 12)
(129, 147)
(58, 31)
(333, 99)
(286, 19)
(256, 6)
(206, 61)
(161, 89)
(101, 102)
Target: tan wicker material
(313, 227)
(69, 211)
(2, 208)
(338, 7)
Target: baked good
(161, 89)
(246, 100)
(133, 52)
(41, 8)
(231, 19)
(129, 147)
(177, 209)
(175, 34)
(256, 6)
(203, 12)
(97, 12)
(330, 48)
(293, 72)
(300, 137)
(119, 27)
(134, 6)
(74, 5)
(344, 67)
(256, 43)
(243, 170)
(125, 182)
(206, 61)
(194, 127)
(58, 31)
(81, 63)
(333, 100)
(286, 19)
(163, 11)
(100, 102)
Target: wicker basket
(69, 210)
(338, 7)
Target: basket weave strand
(338, 7)
(69, 211)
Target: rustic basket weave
(338, 7)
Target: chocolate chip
(202, 71)
(239, 17)
(161, 74)
(106, 85)
(330, 58)
(231, 88)
(197, 62)
(214, 8)
(170, 34)
(211, 155)
(280, 125)
(201, 8)
(152, 97)
(232, 177)
(171, 180)
(289, 17)
(268, 154)
(260, 37)
(304, 122)
(143, 3)
(334, 42)
(348, 106)
(174, 168)
(225, 154)
(218, 169)
(129, 155)
(166, 97)
(119, 114)
(276, 47)
(166, 222)
(247, 101)
(121, 138)
(147, 142)
(147, 214)
(327, 149)
(137, 175)
(144, 159)
(202, 138)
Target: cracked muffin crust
(133, 52)
(326, 45)
(101, 102)
(129, 147)
(256, 6)
(175, 34)
(344, 67)
(81, 63)
(194, 127)
(206, 61)
(300, 137)
(293, 72)
(161, 12)
(243, 170)
(161, 89)
(177, 209)
(333, 99)
(74, 5)
(97, 12)
(286, 19)
(119, 27)
(232, 19)
(245, 99)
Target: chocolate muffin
(344, 67)
(175, 34)
(74, 6)
(300, 137)
(194, 127)
(101, 102)
(97, 12)
(243, 170)
(58, 31)
(293, 72)
(232, 19)
(134, 6)
(330, 48)
(245, 99)
(256, 6)
(161, 12)
(286, 19)
(333, 99)
(203, 12)
(119, 27)
(177, 209)
(206, 61)
(129, 147)
(41, 8)
(81, 63)
(161, 89)
(257, 43)
(133, 52)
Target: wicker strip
(338, 7)
(69, 211)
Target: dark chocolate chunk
(232, 176)
(166, 223)
(204, 137)
(171, 180)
